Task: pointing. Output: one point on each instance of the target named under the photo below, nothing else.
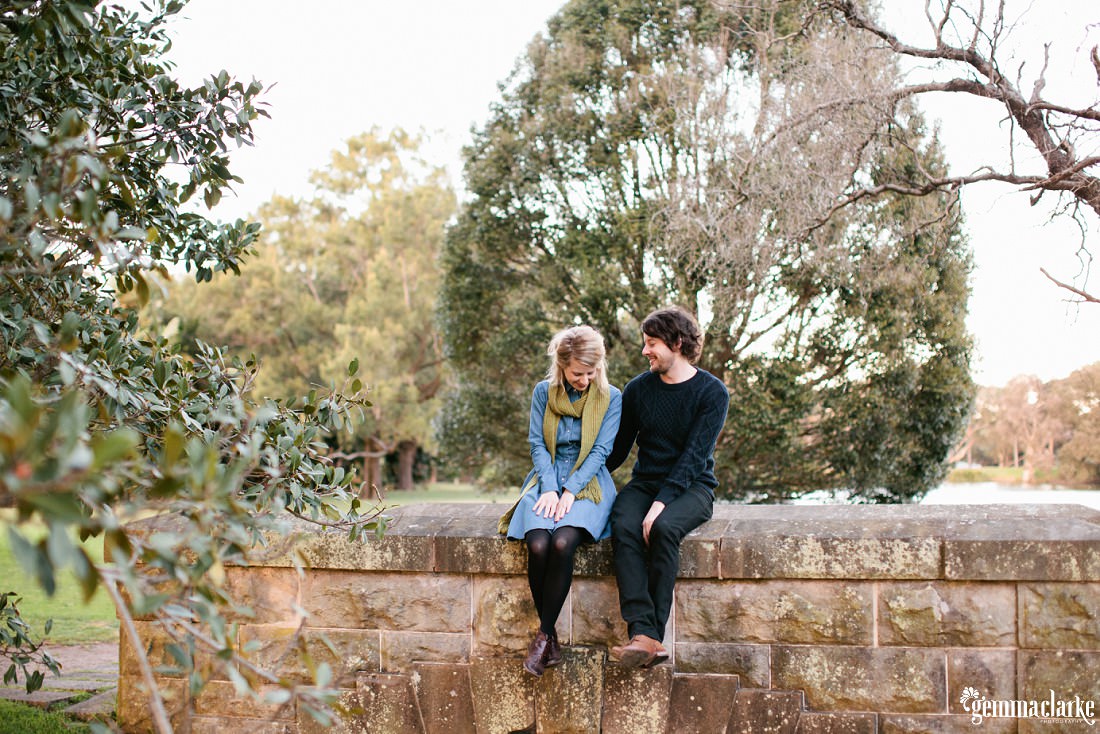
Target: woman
(567, 497)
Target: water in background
(980, 493)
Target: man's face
(660, 356)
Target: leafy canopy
(646, 153)
(349, 271)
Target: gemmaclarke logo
(1050, 709)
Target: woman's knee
(565, 541)
(538, 543)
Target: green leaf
(110, 447)
(56, 506)
(34, 560)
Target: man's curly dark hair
(676, 327)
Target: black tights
(550, 570)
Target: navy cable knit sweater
(676, 427)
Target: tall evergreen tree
(645, 153)
(351, 272)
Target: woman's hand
(547, 504)
(565, 503)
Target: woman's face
(578, 374)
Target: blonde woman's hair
(582, 343)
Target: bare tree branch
(1085, 297)
(1047, 136)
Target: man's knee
(623, 527)
(665, 532)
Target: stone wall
(786, 619)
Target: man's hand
(647, 523)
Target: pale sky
(344, 66)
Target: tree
(101, 155)
(349, 272)
(967, 53)
(644, 154)
(1075, 404)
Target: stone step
(763, 711)
(701, 701)
(41, 698)
(99, 707)
(495, 695)
(389, 703)
(586, 693)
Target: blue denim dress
(557, 472)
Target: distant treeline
(1050, 430)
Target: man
(674, 412)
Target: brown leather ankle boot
(553, 651)
(535, 663)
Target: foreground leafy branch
(101, 155)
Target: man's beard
(659, 367)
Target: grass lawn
(19, 719)
(443, 492)
(74, 622)
(999, 474)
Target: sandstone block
(292, 650)
(700, 553)
(395, 601)
(1056, 616)
(402, 548)
(750, 663)
(636, 701)
(991, 672)
(270, 593)
(220, 698)
(1068, 673)
(134, 712)
(828, 549)
(595, 613)
(813, 722)
(443, 694)
(802, 612)
(388, 704)
(220, 724)
(401, 649)
(1061, 548)
(841, 678)
(472, 545)
(504, 615)
(701, 703)
(347, 719)
(503, 695)
(156, 643)
(569, 696)
(942, 724)
(593, 560)
(942, 614)
(760, 711)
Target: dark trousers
(646, 573)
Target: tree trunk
(406, 458)
(372, 477)
(375, 452)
